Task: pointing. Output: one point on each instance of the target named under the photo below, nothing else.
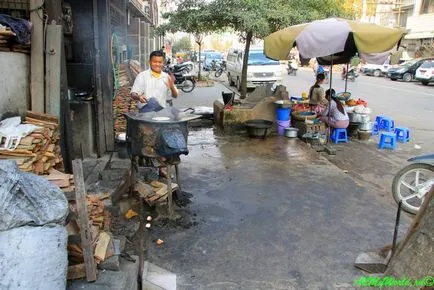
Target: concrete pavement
(267, 214)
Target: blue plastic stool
(339, 135)
(375, 128)
(378, 120)
(387, 140)
(387, 124)
(402, 134)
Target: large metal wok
(157, 134)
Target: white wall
(14, 82)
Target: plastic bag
(11, 132)
(28, 199)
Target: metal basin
(258, 128)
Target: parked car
(425, 73)
(260, 69)
(405, 71)
(376, 70)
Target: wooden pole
(37, 56)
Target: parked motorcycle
(184, 68)
(184, 82)
(292, 67)
(412, 183)
(220, 69)
(352, 74)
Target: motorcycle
(292, 67)
(184, 82)
(352, 74)
(220, 69)
(184, 68)
(413, 182)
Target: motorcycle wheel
(405, 183)
(187, 86)
(218, 73)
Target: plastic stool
(339, 135)
(402, 134)
(378, 119)
(387, 140)
(387, 124)
(375, 128)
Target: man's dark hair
(320, 77)
(156, 53)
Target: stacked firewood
(101, 238)
(135, 67)
(123, 103)
(7, 41)
(62, 180)
(39, 151)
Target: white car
(425, 73)
(376, 69)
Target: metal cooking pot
(366, 126)
(358, 118)
(291, 132)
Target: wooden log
(77, 271)
(83, 222)
(101, 247)
(42, 117)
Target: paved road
(409, 104)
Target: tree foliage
(182, 44)
(250, 18)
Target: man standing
(153, 87)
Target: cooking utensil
(284, 104)
(358, 118)
(291, 132)
(366, 126)
(258, 128)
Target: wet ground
(267, 214)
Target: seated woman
(338, 116)
(317, 100)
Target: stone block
(156, 278)
(111, 264)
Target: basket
(301, 116)
(343, 96)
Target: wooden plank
(76, 271)
(53, 69)
(100, 139)
(37, 56)
(101, 246)
(106, 75)
(42, 117)
(83, 221)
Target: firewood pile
(135, 68)
(123, 102)
(103, 244)
(8, 43)
(39, 151)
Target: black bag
(171, 142)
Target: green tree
(249, 18)
(258, 18)
(191, 16)
(183, 44)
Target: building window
(427, 7)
